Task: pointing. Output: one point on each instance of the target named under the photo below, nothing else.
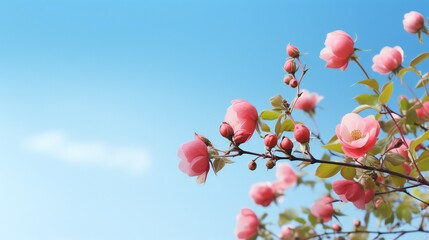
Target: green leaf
(327, 170)
(367, 99)
(403, 212)
(269, 115)
(386, 93)
(422, 82)
(287, 125)
(409, 69)
(348, 172)
(419, 59)
(361, 108)
(287, 216)
(423, 161)
(277, 101)
(379, 146)
(300, 220)
(264, 127)
(417, 141)
(383, 211)
(335, 147)
(395, 159)
(312, 219)
(218, 164)
(371, 83)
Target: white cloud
(58, 145)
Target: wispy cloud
(58, 145)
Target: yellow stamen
(356, 134)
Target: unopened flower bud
(287, 79)
(270, 164)
(301, 133)
(286, 144)
(397, 143)
(336, 227)
(292, 51)
(290, 66)
(270, 140)
(252, 165)
(226, 130)
(356, 223)
(293, 83)
(241, 136)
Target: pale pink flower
(357, 135)
(388, 59)
(194, 157)
(307, 101)
(286, 232)
(413, 22)
(323, 209)
(247, 224)
(263, 193)
(423, 112)
(286, 177)
(243, 117)
(339, 47)
(349, 190)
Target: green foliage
(269, 115)
(371, 83)
(367, 99)
(325, 170)
(419, 59)
(386, 93)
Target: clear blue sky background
(96, 97)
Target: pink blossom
(194, 157)
(247, 224)
(286, 232)
(323, 209)
(286, 177)
(307, 101)
(301, 133)
(413, 22)
(388, 59)
(292, 51)
(270, 140)
(349, 190)
(243, 117)
(423, 112)
(263, 193)
(357, 135)
(339, 47)
(403, 150)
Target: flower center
(356, 134)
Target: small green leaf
(386, 93)
(395, 159)
(218, 164)
(277, 101)
(403, 71)
(335, 146)
(327, 170)
(419, 59)
(348, 173)
(371, 83)
(403, 212)
(269, 115)
(379, 146)
(287, 125)
(367, 99)
(417, 141)
(287, 216)
(312, 219)
(361, 108)
(300, 220)
(264, 127)
(422, 82)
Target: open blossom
(388, 59)
(263, 193)
(307, 101)
(286, 177)
(423, 112)
(339, 47)
(413, 22)
(323, 209)
(357, 135)
(247, 224)
(194, 157)
(349, 190)
(243, 117)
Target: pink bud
(356, 223)
(293, 83)
(301, 133)
(292, 51)
(287, 79)
(286, 144)
(339, 48)
(247, 224)
(413, 22)
(290, 66)
(226, 130)
(270, 140)
(263, 193)
(336, 227)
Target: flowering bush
(382, 157)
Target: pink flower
(292, 51)
(339, 47)
(357, 135)
(263, 193)
(247, 224)
(270, 140)
(423, 112)
(403, 150)
(286, 177)
(301, 133)
(307, 101)
(323, 209)
(243, 117)
(413, 22)
(388, 60)
(194, 157)
(349, 190)
(287, 232)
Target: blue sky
(96, 97)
